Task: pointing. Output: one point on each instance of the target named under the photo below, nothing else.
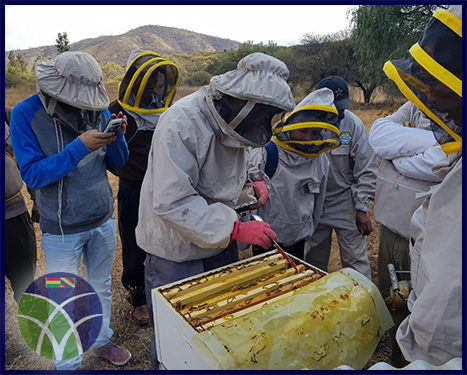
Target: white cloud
(38, 25)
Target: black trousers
(20, 253)
(132, 255)
(296, 249)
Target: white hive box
(260, 314)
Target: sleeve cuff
(78, 148)
(362, 207)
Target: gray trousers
(352, 246)
(159, 271)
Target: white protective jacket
(408, 155)
(352, 175)
(296, 193)
(177, 221)
(433, 330)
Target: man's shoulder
(33, 103)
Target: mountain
(116, 48)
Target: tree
(62, 42)
(383, 32)
(319, 56)
(16, 70)
(229, 59)
(40, 56)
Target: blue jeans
(97, 246)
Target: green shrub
(199, 78)
(112, 72)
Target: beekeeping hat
(149, 83)
(74, 78)
(311, 128)
(71, 89)
(245, 101)
(431, 76)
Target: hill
(116, 48)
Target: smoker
(263, 314)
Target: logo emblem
(338, 92)
(346, 138)
(59, 316)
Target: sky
(28, 26)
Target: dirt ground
(18, 356)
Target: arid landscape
(18, 356)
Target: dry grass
(18, 356)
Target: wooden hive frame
(235, 290)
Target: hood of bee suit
(74, 78)
(148, 87)
(431, 76)
(311, 128)
(260, 84)
(71, 89)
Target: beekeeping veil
(245, 101)
(311, 128)
(148, 87)
(71, 89)
(431, 76)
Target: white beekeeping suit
(407, 158)
(198, 161)
(408, 150)
(431, 77)
(298, 184)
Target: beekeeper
(408, 150)
(350, 190)
(297, 169)
(197, 168)
(145, 92)
(431, 77)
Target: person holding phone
(63, 154)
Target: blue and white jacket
(73, 192)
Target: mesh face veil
(77, 119)
(149, 84)
(431, 77)
(247, 121)
(309, 130)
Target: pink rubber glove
(261, 192)
(253, 232)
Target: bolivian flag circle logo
(60, 316)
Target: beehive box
(257, 313)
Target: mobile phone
(113, 126)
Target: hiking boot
(141, 315)
(113, 353)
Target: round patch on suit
(345, 138)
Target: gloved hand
(253, 232)
(261, 192)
